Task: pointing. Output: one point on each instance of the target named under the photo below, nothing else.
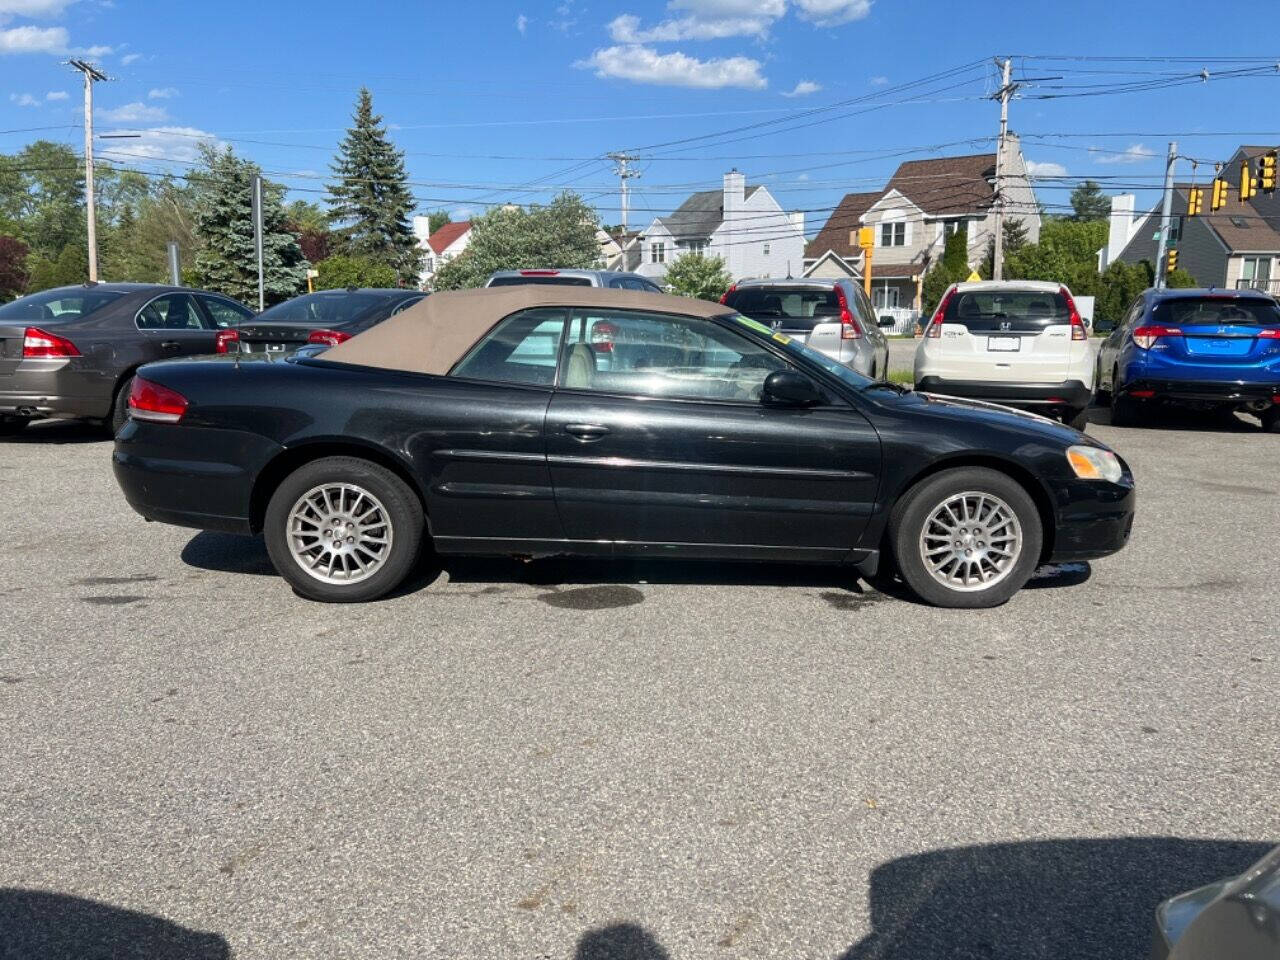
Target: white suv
(1016, 342)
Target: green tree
(42, 192)
(371, 199)
(339, 272)
(1118, 287)
(1180, 279)
(700, 276)
(561, 234)
(227, 261)
(1088, 202)
(437, 219)
(1015, 238)
(310, 224)
(71, 267)
(1067, 253)
(952, 268)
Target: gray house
(1236, 247)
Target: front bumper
(1069, 394)
(190, 476)
(1095, 518)
(1205, 391)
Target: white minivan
(1021, 343)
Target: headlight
(1094, 463)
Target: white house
(743, 225)
(440, 247)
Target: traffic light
(1267, 172)
(1195, 201)
(1171, 261)
(1247, 184)
(1219, 198)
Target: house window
(1255, 268)
(886, 297)
(658, 252)
(697, 246)
(766, 249)
(950, 227)
(893, 234)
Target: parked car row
(1024, 344)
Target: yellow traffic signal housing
(1171, 261)
(1219, 198)
(1195, 201)
(1247, 183)
(1267, 172)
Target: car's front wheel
(966, 537)
(343, 530)
(12, 426)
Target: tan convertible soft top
(435, 333)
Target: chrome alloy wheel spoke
(339, 533)
(970, 541)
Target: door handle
(170, 344)
(586, 431)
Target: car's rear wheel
(967, 537)
(1102, 395)
(120, 407)
(10, 426)
(343, 530)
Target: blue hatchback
(1206, 348)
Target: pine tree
(1089, 203)
(227, 262)
(371, 199)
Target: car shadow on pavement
(1039, 900)
(40, 925)
(228, 553)
(1175, 418)
(60, 431)
(620, 941)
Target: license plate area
(1004, 344)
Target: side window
(864, 308)
(405, 306)
(521, 349)
(176, 311)
(1134, 314)
(655, 355)
(225, 313)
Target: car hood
(1005, 418)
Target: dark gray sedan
(70, 352)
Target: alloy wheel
(339, 533)
(971, 541)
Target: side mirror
(887, 321)
(786, 388)
(1102, 326)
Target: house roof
(947, 185)
(1238, 226)
(700, 215)
(834, 236)
(445, 237)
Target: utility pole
(256, 208)
(91, 76)
(1166, 219)
(625, 173)
(1006, 91)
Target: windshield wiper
(886, 385)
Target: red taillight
(43, 344)
(1142, 394)
(1146, 336)
(539, 273)
(934, 330)
(725, 298)
(849, 328)
(1078, 331)
(225, 339)
(603, 335)
(330, 337)
(1270, 333)
(150, 401)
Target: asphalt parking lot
(591, 760)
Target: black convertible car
(544, 420)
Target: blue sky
(497, 101)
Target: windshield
(1217, 311)
(327, 309)
(554, 281)
(798, 349)
(1029, 311)
(58, 304)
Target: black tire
(913, 510)
(1076, 419)
(120, 407)
(1125, 411)
(1101, 395)
(1271, 419)
(12, 426)
(403, 516)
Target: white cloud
(24, 100)
(804, 88)
(34, 40)
(162, 93)
(646, 65)
(1137, 153)
(832, 13)
(129, 58)
(522, 23)
(879, 81)
(701, 20)
(35, 9)
(101, 50)
(1037, 169)
(136, 112)
(57, 95)
(181, 144)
